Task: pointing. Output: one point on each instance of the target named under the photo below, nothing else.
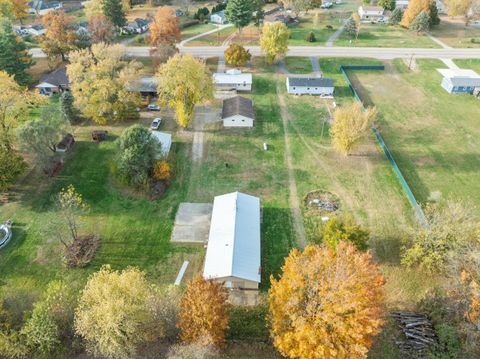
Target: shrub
(162, 171)
(311, 37)
(448, 342)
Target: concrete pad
(192, 223)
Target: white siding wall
(237, 283)
(237, 86)
(447, 84)
(301, 90)
(237, 121)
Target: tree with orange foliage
(328, 303)
(100, 28)
(165, 27)
(203, 313)
(19, 9)
(415, 7)
(60, 37)
(162, 171)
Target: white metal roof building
(233, 79)
(165, 140)
(459, 80)
(233, 251)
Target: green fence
(418, 210)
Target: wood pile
(419, 335)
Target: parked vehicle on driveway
(153, 107)
(156, 123)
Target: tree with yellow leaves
(165, 27)
(466, 8)
(415, 7)
(183, 82)
(20, 9)
(203, 316)
(112, 312)
(350, 125)
(328, 303)
(100, 78)
(274, 41)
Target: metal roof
(221, 78)
(234, 241)
(238, 105)
(310, 82)
(461, 77)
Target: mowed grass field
(378, 35)
(433, 135)
(454, 33)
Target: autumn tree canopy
(350, 125)
(274, 41)
(59, 38)
(183, 82)
(203, 313)
(165, 27)
(237, 55)
(99, 81)
(415, 7)
(112, 311)
(328, 303)
(100, 29)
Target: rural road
(319, 51)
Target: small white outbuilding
(165, 140)
(233, 250)
(238, 112)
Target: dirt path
(292, 184)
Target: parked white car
(156, 123)
(153, 107)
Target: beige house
(233, 250)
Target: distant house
(40, 7)
(372, 13)
(321, 86)
(146, 86)
(284, 19)
(238, 112)
(54, 82)
(218, 17)
(233, 249)
(165, 140)
(137, 26)
(179, 13)
(403, 4)
(233, 80)
(36, 30)
(460, 80)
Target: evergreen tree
(387, 4)
(14, 57)
(239, 12)
(66, 105)
(396, 16)
(351, 27)
(113, 10)
(421, 23)
(434, 18)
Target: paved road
(319, 51)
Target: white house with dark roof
(54, 82)
(320, 86)
(233, 80)
(233, 250)
(460, 80)
(238, 112)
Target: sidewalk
(218, 28)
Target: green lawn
(323, 28)
(454, 33)
(473, 64)
(433, 135)
(377, 35)
(196, 30)
(298, 65)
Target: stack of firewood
(418, 331)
